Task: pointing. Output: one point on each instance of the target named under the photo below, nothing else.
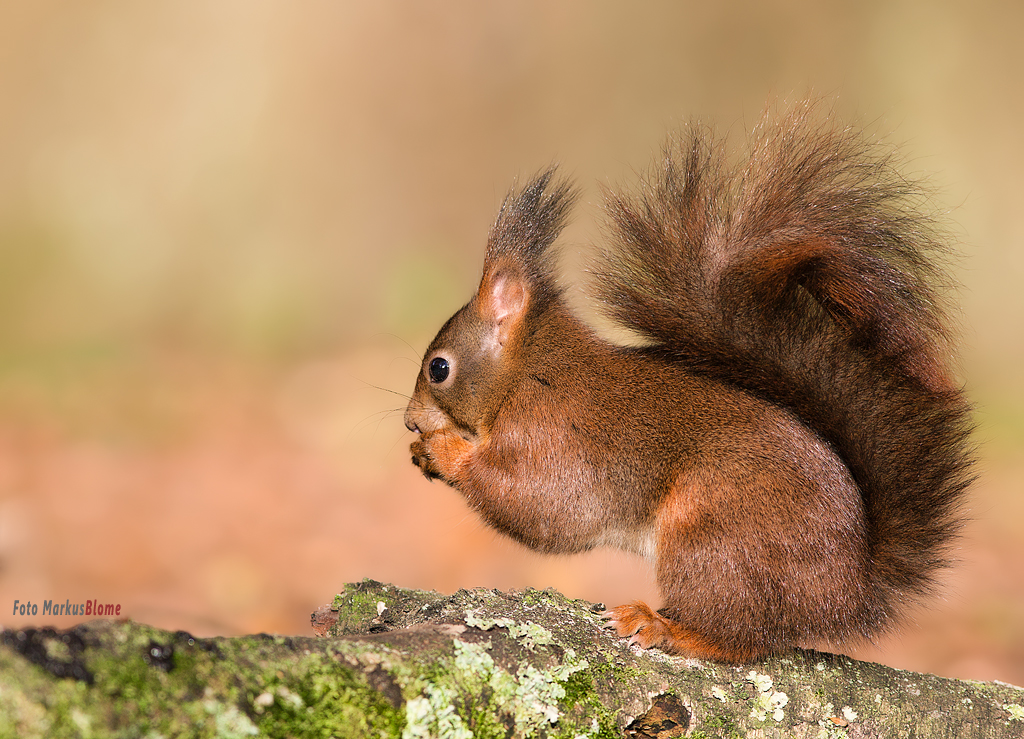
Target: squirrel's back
(807, 277)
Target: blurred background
(228, 229)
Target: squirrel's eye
(438, 370)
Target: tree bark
(404, 663)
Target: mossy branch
(403, 663)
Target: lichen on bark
(391, 662)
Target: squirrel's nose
(409, 423)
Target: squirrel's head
(468, 368)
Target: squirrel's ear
(502, 300)
(517, 268)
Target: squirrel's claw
(421, 458)
(626, 620)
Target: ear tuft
(528, 222)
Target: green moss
(718, 726)
(358, 604)
(532, 597)
(324, 700)
(231, 689)
(578, 687)
(580, 691)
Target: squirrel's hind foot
(647, 628)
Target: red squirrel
(788, 446)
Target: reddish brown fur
(790, 449)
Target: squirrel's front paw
(422, 459)
(441, 455)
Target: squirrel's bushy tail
(806, 276)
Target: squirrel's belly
(640, 540)
(564, 512)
